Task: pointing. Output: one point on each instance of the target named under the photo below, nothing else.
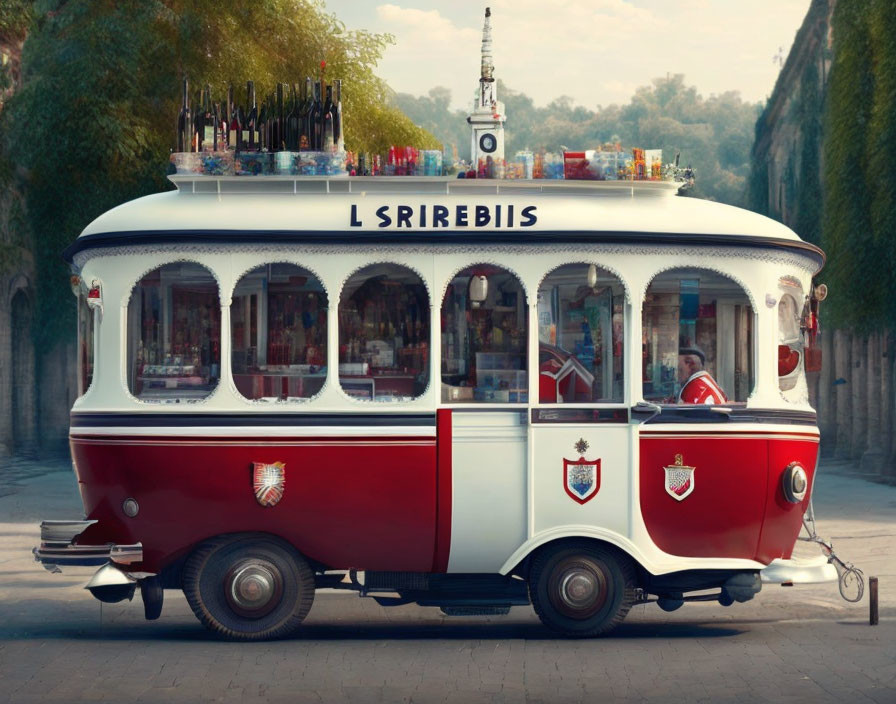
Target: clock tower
(487, 119)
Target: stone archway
(23, 383)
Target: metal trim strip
(263, 420)
(155, 237)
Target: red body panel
(367, 503)
(737, 508)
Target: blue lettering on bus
(481, 216)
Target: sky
(596, 51)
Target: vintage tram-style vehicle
(462, 394)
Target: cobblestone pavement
(802, 644)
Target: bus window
(484, 333)
(174, 334)
(580, 334)
(384, 334)
(790, 342)
(86, 339)
(278, 330)
(697, 339)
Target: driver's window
(580, 336)
(697, 339)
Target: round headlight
(795, 483)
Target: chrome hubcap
(253, 588)
(578, 588)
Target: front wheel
(248, 587)
(581, 589)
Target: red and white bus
(465, 394)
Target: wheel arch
(520, 561)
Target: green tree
(93, 121)
(713, 134)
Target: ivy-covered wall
(822, 164)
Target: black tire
(581, 589)
(248, 587)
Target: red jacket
(701, 388)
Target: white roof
(358, 205)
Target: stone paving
(800, 644)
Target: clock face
(488, 143)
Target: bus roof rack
(317, 185)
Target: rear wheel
(248, 587)
(581, 589)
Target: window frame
(237, 279)
(752, 357)
(334, 354)
(223, 373)
(472, 404)
(624, 337)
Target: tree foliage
(713, 134)
(94, 119)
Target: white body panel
(610, 506)
(489, 496)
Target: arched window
(174, 334)
(790, 337)
(697, 339)
(278, 332)
(580, 336)
(384, 334)
(484, 333)
(86, 338)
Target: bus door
(580, 433)
(489, 450)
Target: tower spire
(487, 119)
(488, 66)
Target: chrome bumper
(813, 570)
(57, 547)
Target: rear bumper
(57, 547)
(814, 570)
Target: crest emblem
(268, 481)
(581, 477)
(679, 479)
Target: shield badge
(581, 478)
(679, 479)
(268, 481)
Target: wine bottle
(223, 126)
(337, 119)
(270, 117)
(209, 121)
(196, 136)
(227, 120)
(184, 122)
(326, 124)
(262, 125)
(307, 105)
(277, 132)
(317, 113)
(236, 127)
(250, 125)
(293, 123)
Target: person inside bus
(697, 385)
